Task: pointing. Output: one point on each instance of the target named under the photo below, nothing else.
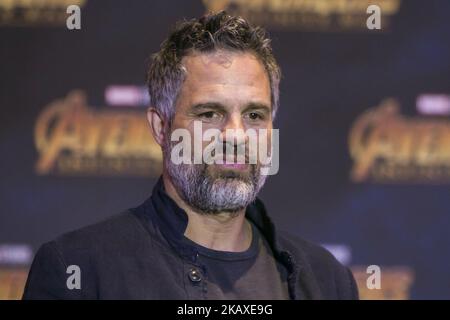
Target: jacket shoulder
(332, 279)
(116, 229)
(89, 249)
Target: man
(202, 234)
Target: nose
(233, 131)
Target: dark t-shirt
(251, 274)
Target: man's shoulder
(115, 228)
(116, 236)
(335, 281)
(300, 246)
(88, 248)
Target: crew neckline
(229, 255)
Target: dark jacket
(139, 254)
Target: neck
(220, 231)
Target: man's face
(223, 90)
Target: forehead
(224, 75)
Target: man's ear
(156, 124)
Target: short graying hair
(211, 32)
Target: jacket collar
(172, 222)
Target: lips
(236, 166)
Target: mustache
(225, 151)
(218, 153)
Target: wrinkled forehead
(226, 67)
(232, 78)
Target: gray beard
(227, 191)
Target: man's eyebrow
(257, 106)
(217, 106)
(208, 106)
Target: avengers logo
(73, 139)
(388, 147)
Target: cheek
(264, 143)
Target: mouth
(233, 171)
(234, 166)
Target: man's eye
(254, 116)
(209, 115)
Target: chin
(221, 172)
